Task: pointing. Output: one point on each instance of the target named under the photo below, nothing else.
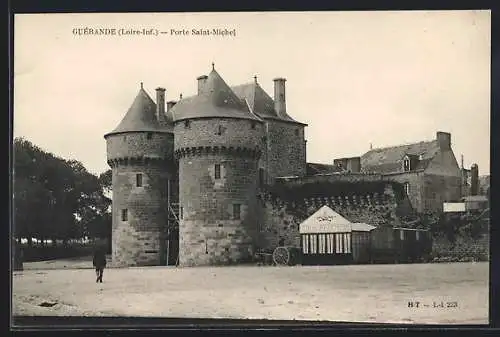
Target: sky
(356, 78)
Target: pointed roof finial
(180, 96)
(371, 146)
(255, 78)
(213, 66)
(142, 85)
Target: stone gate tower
(140, 153)
(218, 143)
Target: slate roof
(315, 168)
(389, 159)
(141, 116)
(475, 198)
(361, 227)
(216, 100)
(260, 102)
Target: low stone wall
(464, 249)
(224, 242)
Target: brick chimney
(170, 104)
(279, 96)
(201, 82)
(160, 105)
(444, 140)
(354, 164)
(474, 179)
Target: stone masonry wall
(137, 144)
(286, 153)
(209, 235)
(427, 192)
(439, 189)
(416, 188)
(205, 132)
(138, 240)
(280, 219)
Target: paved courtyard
(360, 293)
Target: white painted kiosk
(328, 238)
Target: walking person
(99, 262)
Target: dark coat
(99, 260)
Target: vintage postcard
(292, 166)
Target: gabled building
(428, 170)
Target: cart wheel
(281, 256)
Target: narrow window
(138, 180)
(220, 130)
(217, 171)
(417, 235)
(187, 124)
(125, 214)
(402, 234)
(296, 132)
(261, 177)
(253, 125)
(149, 135)
(181, 212)
(236, 211)
(407, 188)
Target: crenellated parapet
(237, 151)
(139, 160)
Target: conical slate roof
(260, 102)
(215, 100)
(141, 116)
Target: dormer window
(406, 164)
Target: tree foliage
(56, 198)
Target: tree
(106, 180)
(56, 198)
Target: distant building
(484, 185)
(475, 203)
(317, 168)
(428, 170)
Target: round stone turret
(140, 153)
(218, 142)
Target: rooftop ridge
(140, 116)
(401, 145)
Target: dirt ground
(356, 293)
